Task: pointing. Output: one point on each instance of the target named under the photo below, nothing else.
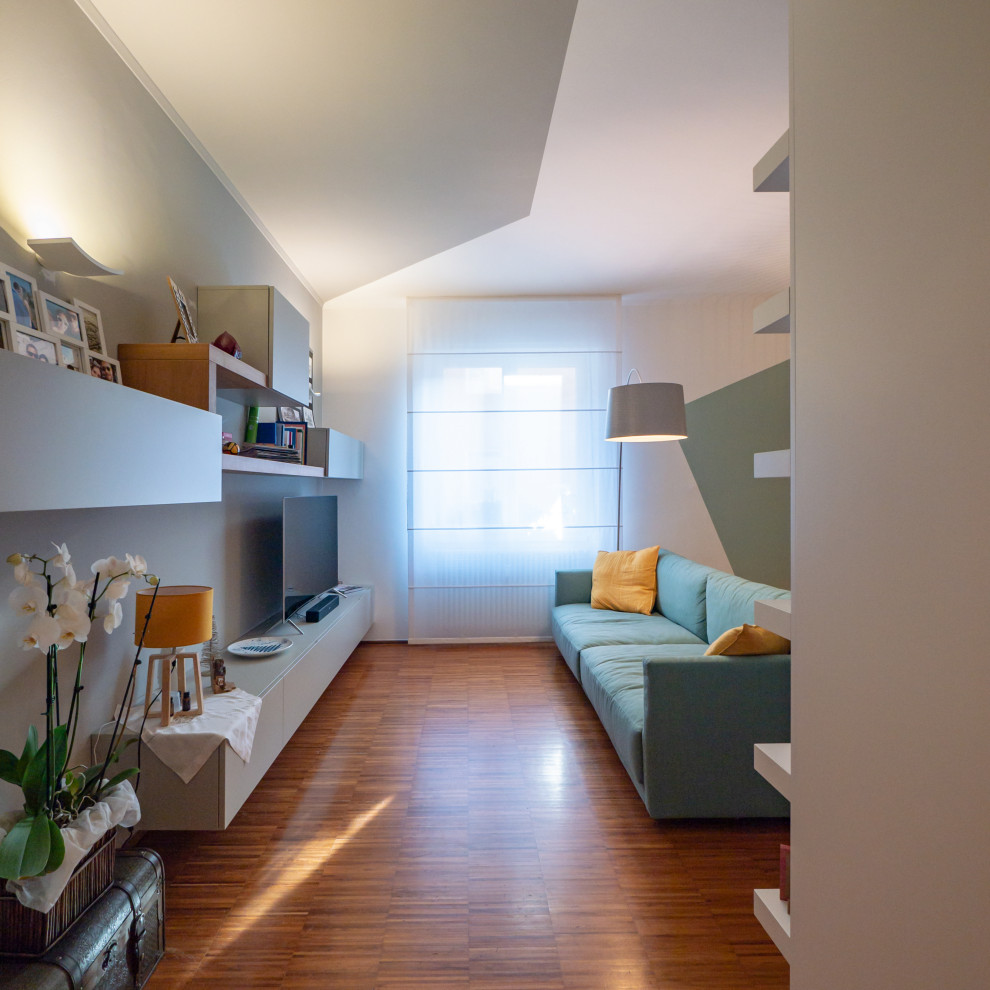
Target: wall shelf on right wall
(772, 464)
(774, 315)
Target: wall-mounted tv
(309, 550)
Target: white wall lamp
(641, 412)
(62, 254)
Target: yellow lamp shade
(182, 616)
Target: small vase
(26, 932)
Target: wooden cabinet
(273, 335)
(196, 374)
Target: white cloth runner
(186, 744)
(119, 806)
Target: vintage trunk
(115, 944)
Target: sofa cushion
(729, 601)
(625, 580)
(612, 678)
(748, 641)
(585, 626)
(681, 587)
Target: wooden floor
(456, 817)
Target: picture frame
(289, 414)
(60, 318)
(93, 327)
(5, 344)
(101, 366)
(73, 356)
(185, 316)
(308, 417)
(5, 300)
(23, 298)
(35, 344)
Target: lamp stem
(618, 514)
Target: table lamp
(183, 615)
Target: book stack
(272, 452)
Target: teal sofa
(683, 724)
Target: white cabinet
(289, 684)
(92, 443)
(273, 335)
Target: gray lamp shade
(645, 411)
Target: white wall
(891, 682)
(705, 343)
(91, 155)
(364, 376)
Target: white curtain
(510, 478)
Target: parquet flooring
(455, 817)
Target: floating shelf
(772, 914)
(772, 173)
(774, 315)
(772, 761)
(774, 614)
(236, 464)
(772, 464)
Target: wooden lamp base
(169, 662)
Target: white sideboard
(289, 684)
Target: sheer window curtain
(510, 478)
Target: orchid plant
(62, 611)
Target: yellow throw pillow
(748, 641)
(625, 580)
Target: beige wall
(891, 685)
(705, 343)
(88, 153)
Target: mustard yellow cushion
(748, 641)
(625, 580)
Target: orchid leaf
(122, 776)
(35, 781)
(8, 768)
(30, 748)
(57, 851)
(26, 848)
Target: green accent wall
(752, 516)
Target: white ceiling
(392, 147)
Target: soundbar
(320, 608)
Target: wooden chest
(115, 944)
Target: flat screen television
(309, 550)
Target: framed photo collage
(41, 326)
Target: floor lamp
(643, 412)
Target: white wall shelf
(92, 443)
(772, 173)
(772, 761)
(772, 464)
(237, 464)
(774, 614)
(772, 914)
(774, 315)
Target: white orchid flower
(117, 589)
(42, 633)
(74, 625)
(23, 573)
(109, 567)
(136, 564)
(114, 617)
(66, 592)
(62, 557)
(28, 600)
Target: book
(785, 876)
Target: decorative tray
(260, 646)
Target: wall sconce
(643, 412)
(62, 254)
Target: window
(510, 478)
